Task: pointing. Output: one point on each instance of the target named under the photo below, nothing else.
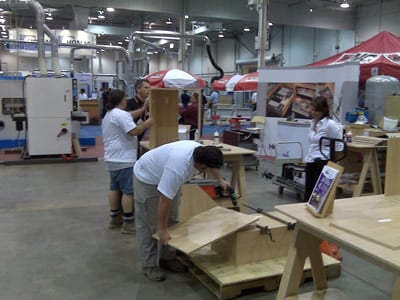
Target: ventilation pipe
(40, 20)
(54, 51)
(189, 36)
(124, 52)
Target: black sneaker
(173, 265)
(154, 273)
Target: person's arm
(216, 174)
(142, 127)
(163, 214)
(137, 113)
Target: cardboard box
(392, 108)
(357, 129)
(375, 132)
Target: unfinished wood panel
(207, 227)
(392, 186)
(379, 225)
(164, 112)
(194, 201)
(252, 244)
(225, 273)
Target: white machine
(48, 110)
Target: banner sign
(72, 37)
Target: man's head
(142, 88)
(208, 157)
(195, 97)
(116, 98)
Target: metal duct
(190, 36)
(54, 51)
(40, 20)
(125, 53)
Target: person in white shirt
(158, 177)
(82, 95)
(120, 153)
(321, 126)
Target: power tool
(230, 192)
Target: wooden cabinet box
(254, 244)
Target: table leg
(238, 180)
(396, 290)
(303, 245)
(375, 174)
(367, 155)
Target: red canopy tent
(226, 83)
(380, 55)
(249, 82)
(175, 78)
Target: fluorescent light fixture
(101, 17)
(345, 4)
(247, 29)
(120, 43)
(110, 9)
(169, 21)
(171, 45)
(270, 24)
(220, 34)
(186, 16)
(49, 18)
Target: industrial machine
(48, 113)
(36, 114)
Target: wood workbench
(353, 225)
(369, 164)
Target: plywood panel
(381, 226)
(392, 186)
(207, 227)
(194, 201)
(164, 111)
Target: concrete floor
(55, 243)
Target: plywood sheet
(381, 226)
(207, 227)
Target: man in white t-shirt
(158, 177)
(82, 95)
(120, 154)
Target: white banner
(72, 37)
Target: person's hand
(224, 185)
(164, 236)
(146, 105)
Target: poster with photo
(294, 99)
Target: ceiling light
(49, 18)
(171, 45)
(247, 29)
(101, 17)
(120, 43)
(220, 34)
(169, 21)
(345, 4)
(270, 24)
(110, 9)
(186, 17)
(310, 10)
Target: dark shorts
(122, 180)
